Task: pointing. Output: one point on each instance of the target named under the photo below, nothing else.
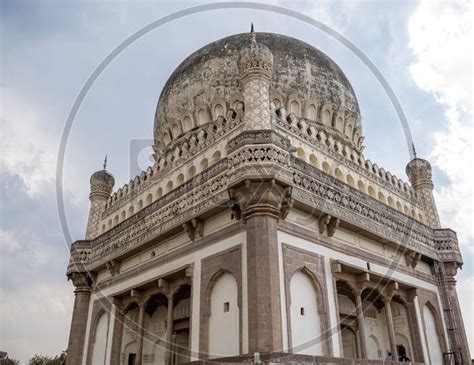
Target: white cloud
(440, 36)
(27, 149)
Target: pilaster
(75, 350)
(455, 326)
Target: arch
(179, 179)
(350, 180)
(313, 160)
(169, 186)
(312, 112)
(203, 164)
(374, 351)
(371, 191)
(300, 153)
(326, 167)
(224, 317)
(390, 201)
(338, 174)
(295, 108)
(100, 338)
(432, 335)
(123, 215)
(348, 130)
(203, 117)
(159, 192)
(215, 157)
(399, 206)
(149, 199)
(140, 204)
(339, 124)
(306, 326)
(218, 111)
(361, 186)
(403, 345)
(176, 130)
(187, 124)
(109, 223)
(326, 117)
(130, 352)
(381, 197)
(349, 343)
(116, 219)
(406, 210)
(276, 103)
(420, 218)
(191, 171)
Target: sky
(50, 48)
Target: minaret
(102, 183)
(419, 173)
(256, 65)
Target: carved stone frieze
(261, 174)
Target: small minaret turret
(255, 66)
(102, 183)
(419, 173)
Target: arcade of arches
(378, 320)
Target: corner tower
(419, 173)
(101, 185)
(256, 67)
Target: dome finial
(414, 150)
(251, 28)
(252, 33)
(105, 162)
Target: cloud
(440, 37)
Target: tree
(7, 361)
(48, 360)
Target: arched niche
(312, 112)
(433, 342)
(100, 339)
(306, 327)
(224, 317)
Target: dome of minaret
(303, 81)
(255, 58)
(102, 181)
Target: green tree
(7, 361)
(48, 360)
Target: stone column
(391, 331)
(452, 310)
(261, 204)
(169, 329)
(77, 334)
(140, 332)
(117, 334)
(360, 323)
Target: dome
(102, 181)
(211, 77)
